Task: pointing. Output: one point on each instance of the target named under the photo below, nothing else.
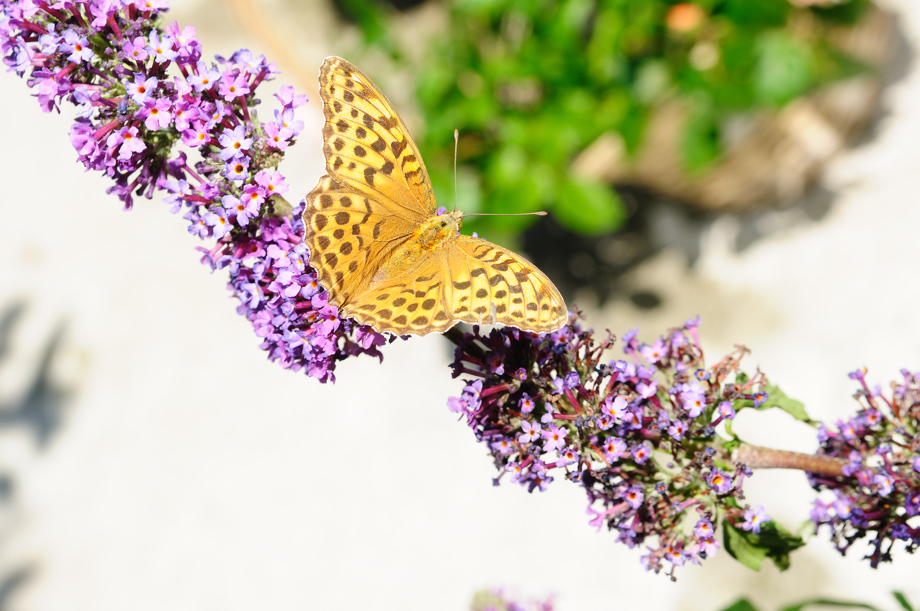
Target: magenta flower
(693, 399)
(614, 448)
(526, 405)
(242, 209)
(604, 422)
(185, 113)
(530, 431)
(278, 135)
(161, 48)
(219, 222)
(127, 141)
(719, 481)
(615, 407)
(156, 114)
(204, 77)
(237, 169)
(634, 497)
(641, 452)
(233, 86)
(234, 143)
(274, 183)
(136, 49)
(703, 529)
(140, 88)
(555, 438)
(647, 389)
(197, 135)
(77, 46)
(653, 353)
(567, 456)
(677, 429)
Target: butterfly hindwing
(410, 301)
(486, 281)
(345, 233)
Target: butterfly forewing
(366, 144)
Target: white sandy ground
(192, 474)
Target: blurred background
(750, 161)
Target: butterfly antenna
(541, 213)
(456, 139)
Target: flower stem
(757, 457)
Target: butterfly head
(452, 221)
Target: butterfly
(379, 247)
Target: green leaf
(741, 605)
(773, 542)
(700, 142)
(827, 602)
(371, 19)
(588, 207)
(777, 398)
(846, 13)
(784, 68)
(632, 127)
(761, 13)
(652, 80)
(902, 600)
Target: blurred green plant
(745, 605)
(531, 83)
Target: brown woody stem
(757, 457)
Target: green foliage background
(531, 83)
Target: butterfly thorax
(430, 235)
(433, 232)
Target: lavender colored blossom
(719, 481)
(144, 91)
(880, 498)
(754, 518)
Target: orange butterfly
(385, 256)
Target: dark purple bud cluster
(639, 435)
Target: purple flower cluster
(639, 435)
(880, 495)
(141, 90)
